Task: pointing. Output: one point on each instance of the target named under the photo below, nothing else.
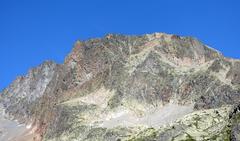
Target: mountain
(153, 87)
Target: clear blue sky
(32, 31)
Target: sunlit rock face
(25, 90)
(149, 87)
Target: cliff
(149, 87)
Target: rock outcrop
(154, 87)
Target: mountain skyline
(32, 32)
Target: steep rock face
(24, 91)
(234, 73)
(127, 78)
(148, 68)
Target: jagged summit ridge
(174, 47)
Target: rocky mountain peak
(123, 87)
(176, 50)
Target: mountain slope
(150, 87)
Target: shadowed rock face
(129, 78)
